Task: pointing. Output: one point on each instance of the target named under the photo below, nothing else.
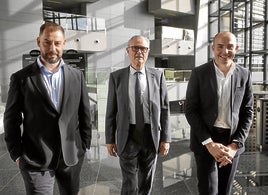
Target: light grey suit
(118, 129)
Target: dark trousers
(213, 180)
(138, 162)
(42, 182)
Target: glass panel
(258, 11)
(177, 85)
(213, 27)
(225, 22)
(247, 41)
(177, 169)
(247, 15)
(75, 22)
(225, 2)
(240, 61)
(98, 81)
(240, 42)
(258, 40)
(213, 7)
(239, 17)
(257, 68)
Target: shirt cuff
(17, 159)
(207, 141)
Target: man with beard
(50, 100)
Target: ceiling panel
(64, 4)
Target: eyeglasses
(137, 48)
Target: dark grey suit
(117, 115)
(202, 111)
(48, 135)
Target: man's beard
(51, 60)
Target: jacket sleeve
(84, 115)
(13, 118)
(111, 112)
(165, 112)
(193, 108)
(245, 113)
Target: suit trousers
(138, 163)
(42, 182)
(213, 180)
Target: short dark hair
(53, 27)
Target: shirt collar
(133, 71)
(219, 72)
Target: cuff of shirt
(207, 141)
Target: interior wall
(123, 19)
(19, 27)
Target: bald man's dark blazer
(117, 113)
(47, 134)
(202, 104)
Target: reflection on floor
(175, 173)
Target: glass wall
(248, 21)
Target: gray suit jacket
(46, 133)
(202, 104)
(117, 113)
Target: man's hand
(219, 151)
(164, 148)
(112, 149)
(232, 149)
(222, 154)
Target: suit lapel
(150, 80)
(212, 79)
(235, 83)
(38, 82)
(125, 83)
(66, 86)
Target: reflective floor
(175, 173)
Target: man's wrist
(209, 140)
(234, 145)
(238, 144)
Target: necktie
(138, 104)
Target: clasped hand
(222, 154)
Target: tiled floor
(175, 174)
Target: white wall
(123, 20)
(19, 27)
